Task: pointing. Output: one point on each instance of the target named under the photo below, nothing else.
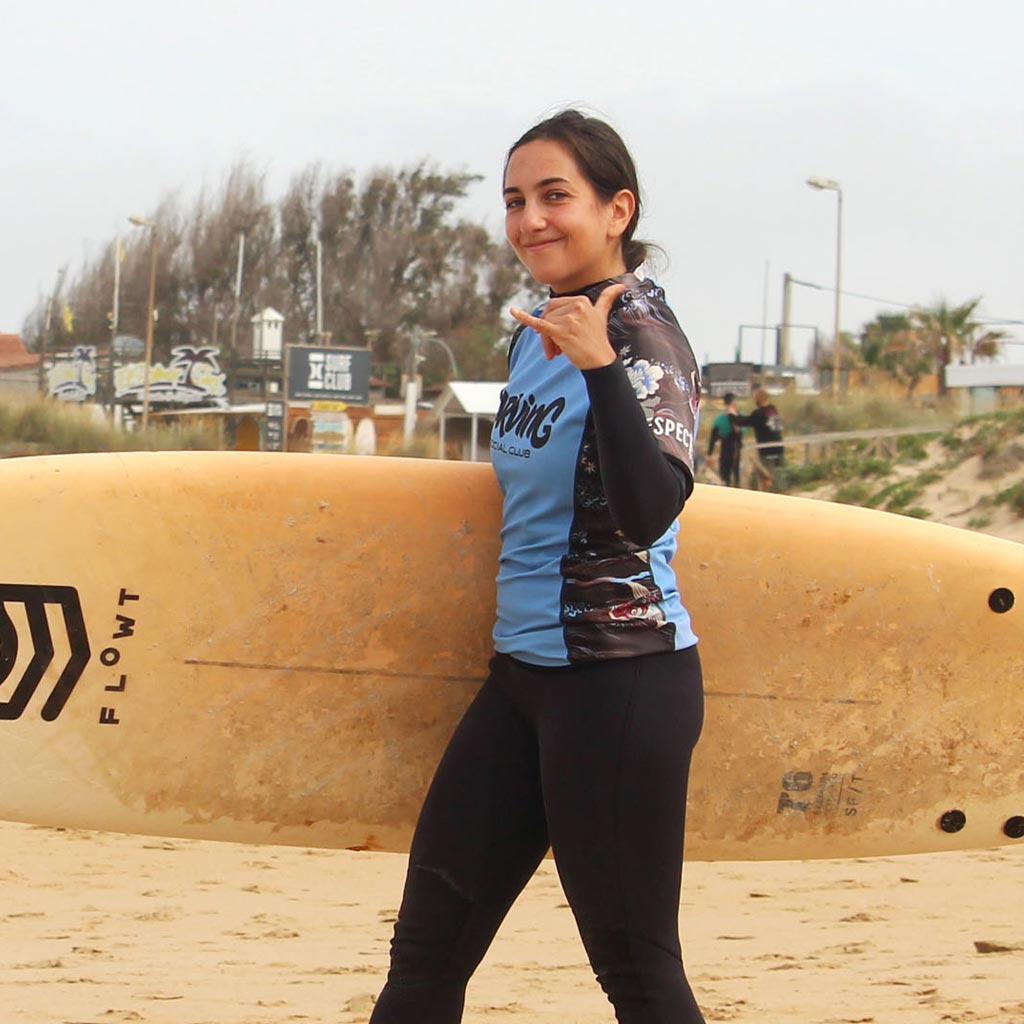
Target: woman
(580, 739)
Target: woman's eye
(513, 204)
(557, 195)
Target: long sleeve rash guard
(594, 469)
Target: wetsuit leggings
(591, 761)
(729, 464)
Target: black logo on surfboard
(39, 604)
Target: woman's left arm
(646, 488)
(645, 483)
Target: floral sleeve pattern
(661, 367)
(613, 598)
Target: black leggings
(592, 761)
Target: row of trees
(395, 258)
(910, 346)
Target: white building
(983, 387)
(267, 334)
(465, 412)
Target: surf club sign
(191, 377)
(328, 374)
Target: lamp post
(115, 315)
(828, 185)
(141, 222)
(237, 306)
(419, 339)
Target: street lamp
(419, 339)
(828, 185)
(141, 222)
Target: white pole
(150, 309)
(410, 408)
(836, 356)
(115, 315)
(236, 309)
(319, 292)
(116, 311)
(764, 312)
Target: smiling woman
(580, 738)
(562, 230)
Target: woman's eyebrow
(540, 184)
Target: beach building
(465, 413)
(19, 368)
(985, 387)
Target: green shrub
(1014, 497)
(807, 475)
(913, 447)
(895, 497)
(854, 493)
(875, 466)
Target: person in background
(767, 427)
(727, 433)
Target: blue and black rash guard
(594, 467)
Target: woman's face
(561, 229)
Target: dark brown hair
(604, 161)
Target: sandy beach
(97, 928)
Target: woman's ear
(622, 206)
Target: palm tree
(189, 358)
(879, 334)
(953, 336)
(892, 343)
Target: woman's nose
(533, 217)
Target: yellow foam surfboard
(275, 649)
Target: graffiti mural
(193, 376)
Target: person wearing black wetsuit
(727, 431)
(767, 426)
(580, 738)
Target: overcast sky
(915, 108)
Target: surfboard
(275, 648)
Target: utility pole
(236, 308)
(150, 311)
(115, 316)
(46, 338)
(319, 292)
(143, 222)
(782, 357)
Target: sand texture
(98, 928)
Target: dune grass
(860, 476)
(37, 426)
(819, 414)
